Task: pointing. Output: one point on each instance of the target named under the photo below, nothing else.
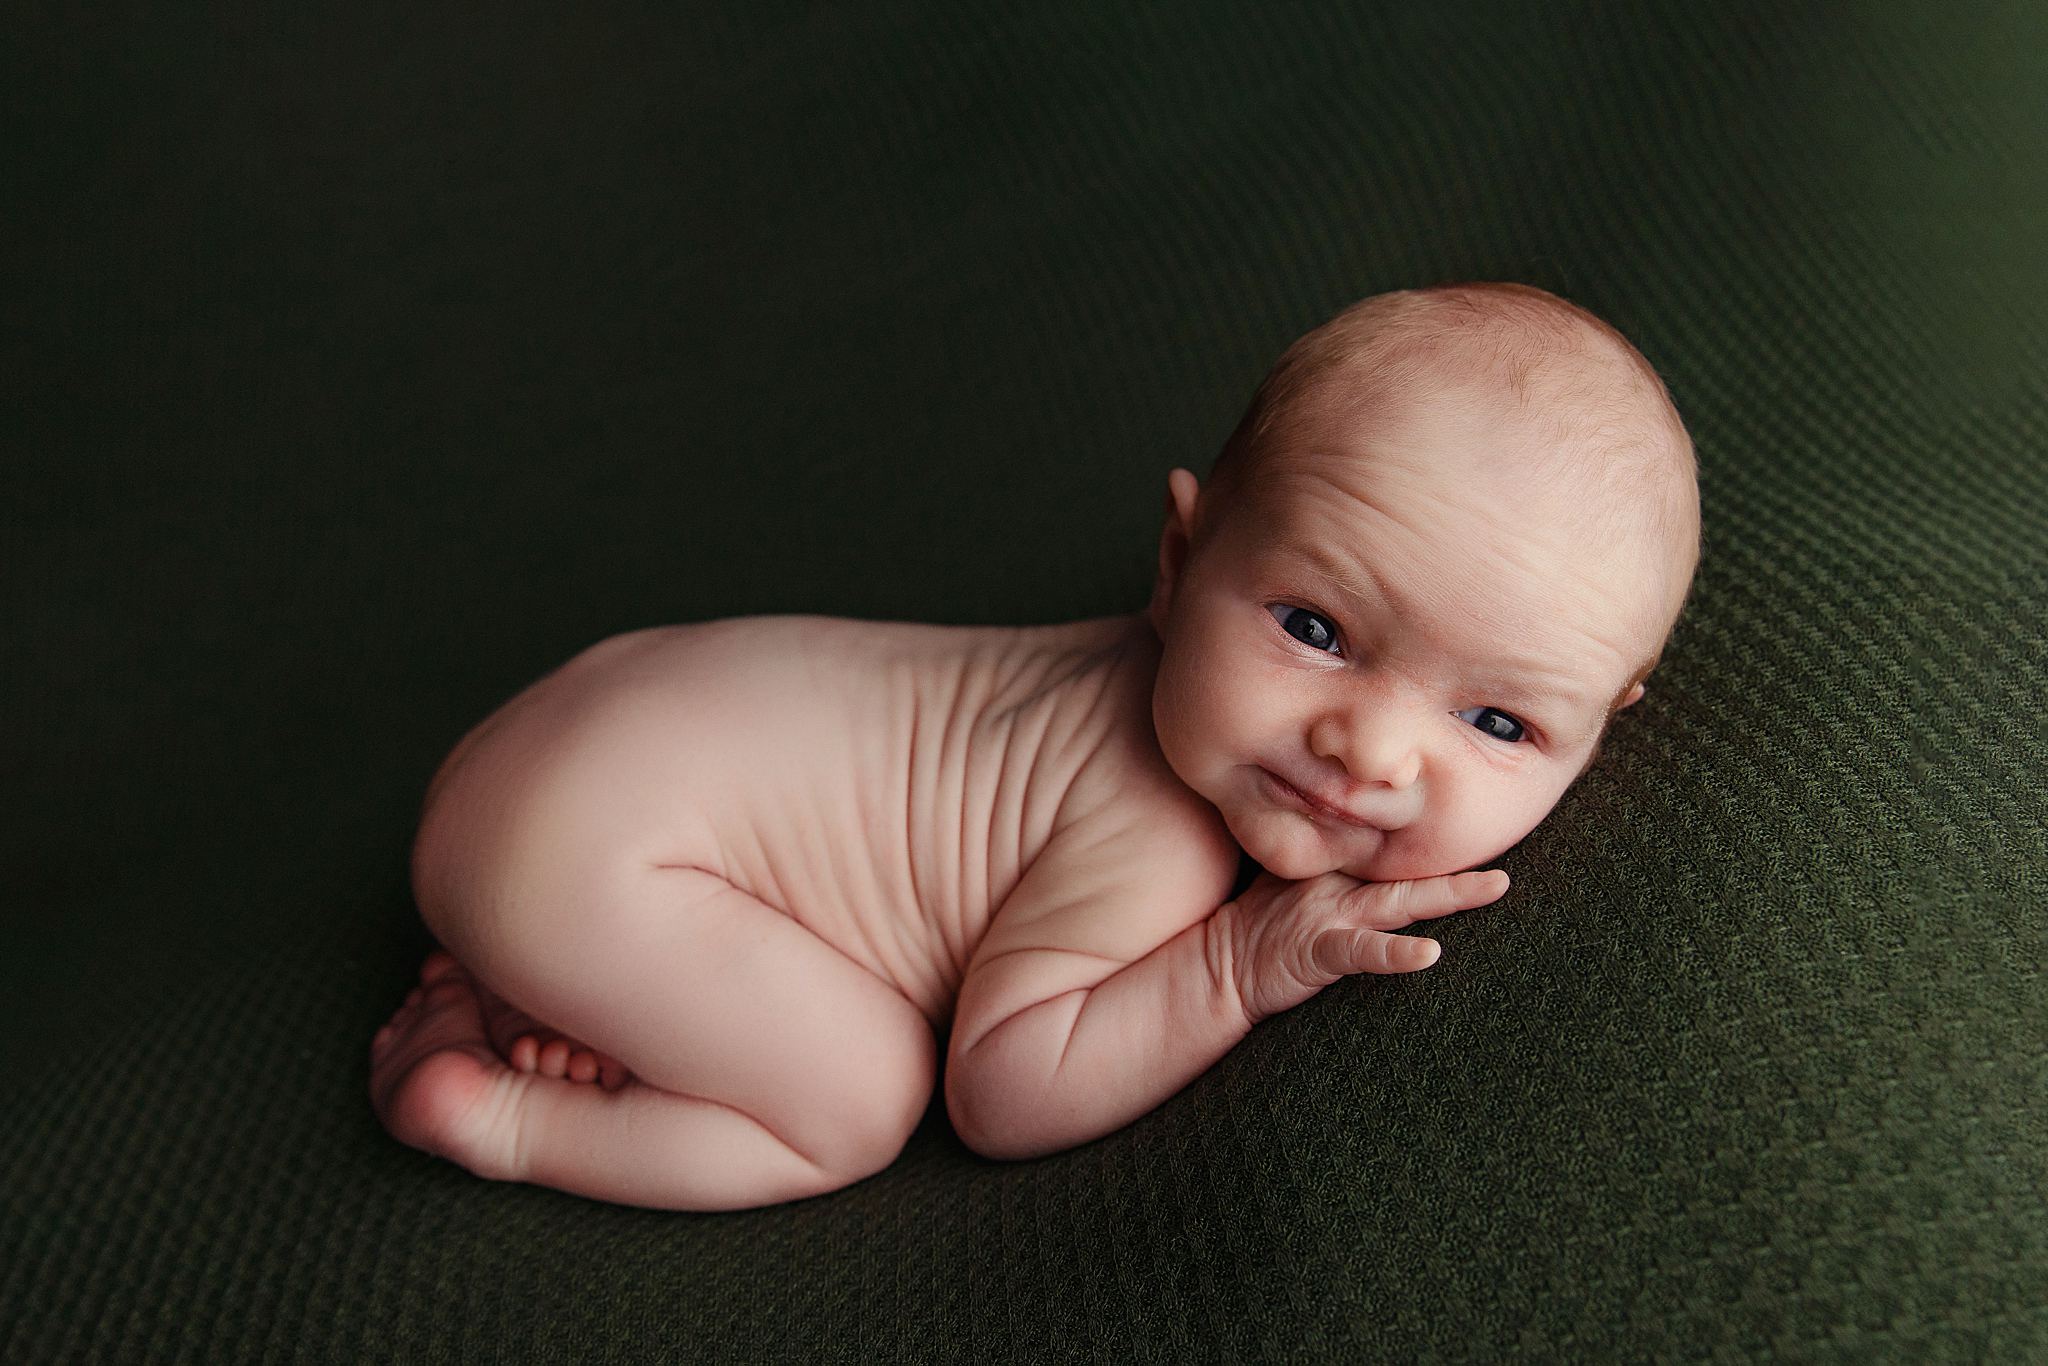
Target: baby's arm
(1101, 937)
(1105, 985)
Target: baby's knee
(866, 1137)
(869, 1144)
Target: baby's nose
(1397, 764)
(1383, 745)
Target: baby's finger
(1394, 905)
(1349, 951)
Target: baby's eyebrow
(1339, 577)
(1519, 683)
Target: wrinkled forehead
(1468, 464)
(1454, 498)
(1442, 546)
(1473, 543)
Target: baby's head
(1443, 548)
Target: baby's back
(884, 783)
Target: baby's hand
(1286, 941)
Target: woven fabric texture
(364, 363)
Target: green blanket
(364, 364)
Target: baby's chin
(1304, 852)
(1295, 850)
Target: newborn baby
(713, 897)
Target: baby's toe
(582, 1066)
(554, 1058)
(438, 965)
(525, 1053)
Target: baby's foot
(518, 1038)
(436, 1083)
(531, 1046)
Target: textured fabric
(363, 367)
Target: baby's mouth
(1294, 796)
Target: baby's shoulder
(1127, 806)
(1135, 858)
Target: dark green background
(363, 363)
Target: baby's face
(1420, 641)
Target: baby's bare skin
(713, 897)
(880, 787)
(885, 784)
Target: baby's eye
(1310, 628)
(1500, 727)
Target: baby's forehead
(1476, 459)
(1454, 497)
(1582, 561)
(1449, 568)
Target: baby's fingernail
(1431, 951)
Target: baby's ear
(1174, 539)
(1182, 492)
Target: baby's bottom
(766, 1065)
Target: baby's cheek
(1404, 854)
(1452, 844)
(1512, 829)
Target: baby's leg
(768, 1066)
